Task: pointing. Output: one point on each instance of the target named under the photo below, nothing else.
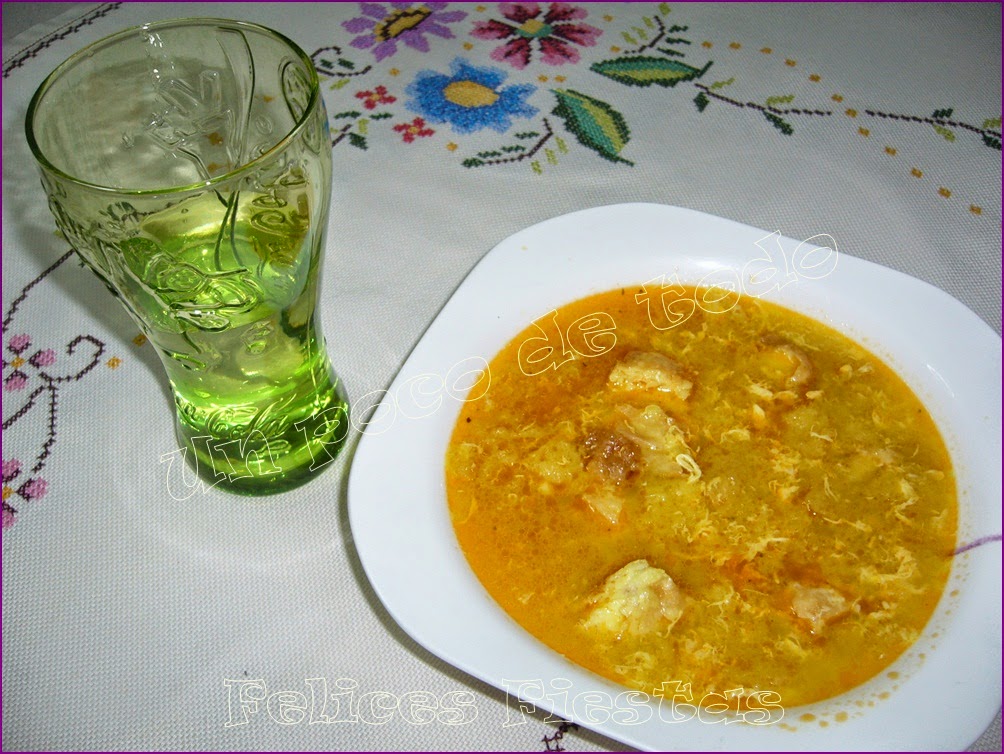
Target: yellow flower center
(7, 492)
(532, 26)
(399, 22)
(18, 361)
(469, 94)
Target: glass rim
(229, 176)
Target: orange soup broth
(842, 481)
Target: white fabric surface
(125, 610)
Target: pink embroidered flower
(381, 26)
(44, 358)
(375, 97)
(18, 343)
(16, 380)
(554, 34)
(33, 489)
(410, 131)
(11, 468)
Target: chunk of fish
(637, 599)
(605, 501)
(662, 443)
(645, 370)
(556, 460)
(818, 605)
(790, 362)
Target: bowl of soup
(694, 484)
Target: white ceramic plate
(943, 692)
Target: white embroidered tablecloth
(133, 616)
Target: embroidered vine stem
(936, 122)
(563, 728)
(326, 68)
(50, 388)
(548, 135)
(661, 37)
(658, 37)
(24, 293)
(757, 106)
(342, 133)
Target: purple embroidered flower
(33, 489)
(8, 517)
(43, 358)
(382, 25)
(18, 343)
(554, 34)
(16, 380)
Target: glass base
(249, 463)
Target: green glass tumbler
(188, 163)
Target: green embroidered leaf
(670, 52)
(562, 146)
(536, 167)
(339, 83)
(722, 84)
(595, 124)
(489, 154)
(346, 114)
(381, 116)
(648, 22)
(628, 38)
(551, 156)
(527, 135)
(513, 148)
(771, 101)
(357, 141)
(640, 32)
(346, 63)
(781, 125)
(472, 162)
(363, 125)
(702, 101)
(942, 131)
(992, 122)
(645, 71)
(946, 113)
(664, 8)
(991, 142)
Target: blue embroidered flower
(470, 98)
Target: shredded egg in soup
(710, 491)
